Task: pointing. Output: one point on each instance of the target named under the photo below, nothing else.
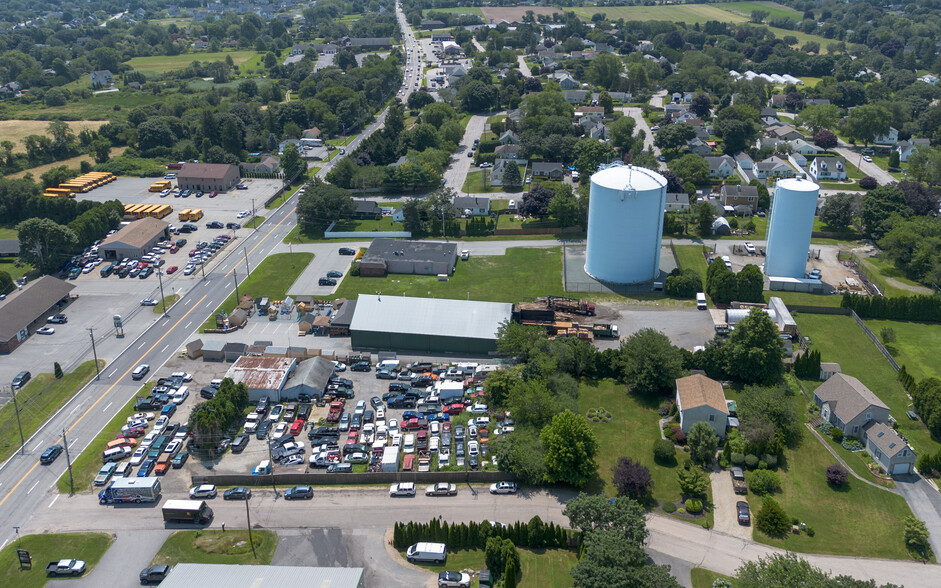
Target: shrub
(57, 370)
(810, 531)
(679, 435)
(868, 183)
(751, 461)
(836, 435)
(669, 507)
(664, 408)
(771, 519)
(764, 482)
(632, 478)
(664, 451)
(837, 475)
(738, 459)
(762, 464)
(693, 505)
(771, 460)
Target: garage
(902, 468)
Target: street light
(91, 333)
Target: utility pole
(68, 460)
(248, 517)
(247, 269)
(271, 462)
(162, 297)
(236, 277)
(16, 409)
(91, 333)
(253, 215)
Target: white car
(402, 489)
(251, 422)
(380, 414)
(161, 423)
(148, 440)
(444, 459)
(393, 426)
(434, 428)
(139, 455)
(292, 448)
(750, 247)
(280, 429)
(276, 413)
(172, 446)
(482, 421)
(180, 395)
(473, 448)
(360, 407)
(478, 408)
(149, 416)
(185, 376)
(368, 434)
(242, 214)
(866, 158)
(203, 491)
(503, 488)
(339, 366)
(134, 422)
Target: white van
(116, 453)
(701, 301)
(433, 552)
(388, 364)
(408, 443)
(433, 444)
(262, 469)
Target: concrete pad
(130, 553)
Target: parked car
(237, 493)
(504, 488)
(154, 574)
(58, 319)
(334, 274)
(203, 491)
(326, 282)
(360, 366)
(402, 489)
(744, 516)
(46, 331)
(441, 489)
(298, 493)
(454, 580)
(347, 251)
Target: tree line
(921, 308)
(209, 420)
(535, 534)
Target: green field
(691, 257)
(38, 401)
(524, 273)
(475, 183)
(889, 278)
(168, 300)
(539, 568)
(98, 107)
(87, 547)
(86, 465)
(804, 299)
(16, 270)
(271, 279)
(217, 547)
(164, 63)
(773, 9)
(916, 347)
(456, 10)
(839, 339)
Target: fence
(329, 479)
(873, 282)
(330, 234)
(538, 231)
(875, 340)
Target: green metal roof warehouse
(429, 325)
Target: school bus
(162, 211)
(160, 186)
(61, 192)
(184, 215)
(196, 214)
(145, 210)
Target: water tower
(792, 221)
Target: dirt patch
(15, 130)
(514, 13)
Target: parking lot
(323, 262)
(822, 257)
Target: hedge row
(473, 535)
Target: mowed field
(15, 130)
(162, 63)
(514, 12)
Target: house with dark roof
(889, 449)
(509, 151)
(28, 307)
(677, 201)
(207, 176)
(509, 137)
(737, 195)
(907, 148)
(575, 96)
(100, 78)
(847, 404)
(827, 168)
(552, 171)
(393, 256)
(701, 400)
(367, 209)
(269, 164)
(774, 167)
(472, 205)
(785, 133)
(720, 166)
(699, 147)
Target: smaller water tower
(625, 224)
(792, 221)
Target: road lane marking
(33, 487)
(72, 442)
(111, 374)
(165, 347)
(53, 501)
(142, 344)
(209, 304)
(105, 409)
(188, 325)
(4, 544)
(105, 393)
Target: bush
(810, 531)
(57, 370)
(836, 435)
(632, 478)
(771, 519)
(837, 475)
(664, 408)
(770, 460)
(764, 482)
(693, 505)
(664, 451)
(738, 459)
(669, 507)
(868, 183)
(679, 435)
(751, 461)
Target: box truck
(136, 490)
(187, 511)
(390, 459)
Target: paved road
(870, 169)
(641, 124)
(524, 67)
(925, 503)
(373, 509)
(656, 100)
(456, 173)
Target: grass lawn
(810, 81)
(890, 275)
(47, 547)
(476, 182)
(703, 578)
(857, 460)
(86, 465)
(271, 278)
(773, 9)
(253, 222)
(456, 10)
(691, 257)
(384, 223)
(10, 265)
(916, 346)
(169, 300)
(839, 339)
(8, 233)
(804, 299)
(631, 432)
(522, 274)
(38, 401)
(542, 568)
(164, 63)
(217, 547)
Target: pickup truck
(336, 409)
(66, 567)
(738, 481)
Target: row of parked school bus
(81, 184)
(139, 490)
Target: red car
(174, 248)
(414, 425)
(135, 432)
(172, 269)
(352, 437)
(456, 408)
(446, 427)
(213, 194)
(297, 427)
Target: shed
(828, 369)
(341, 319)
(311, 378)
(214, 350)
(234, 350)
(194, 349)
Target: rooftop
(24, 306)
(261, 372)
(211, 171)
(698, 390)
(385, 249)
(185, 575)
(847, 396)
(137, 234)
(885, 438)
(430, 316)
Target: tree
(865, 123)
(494, 555)
(322, 204)
(674, 136)
(511, 175)
(705, 216)
(605, 71)
(608, 561)
(683, 284)
(918, 197)
(664, 452)
(622, 132)
(721, 283)
(570, 447)
(691, 168)
(515, 340)
(825, 139)
(836, 475)
(703, 443)
(535, 203)
(565, 208)
(594, 513)
(779, 571)
(837, 211)
(45, 244)
(476, 96)
(590, 153)
(894, 158)
(753, 351)
(701, 106)
(916, 537)
(772, 408)
(771, 518)
(345, 59)
(650, 364)
(763, 482)
(632, 479)
(750, 284)
(868, 183)
(101, 147)
(291, 162)
(420, 99)
(737, 134)
(693, 481)
(57, 371)
(819, 117)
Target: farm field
(97, 107)
(71, 163)
(163, 63)
(773, 9)
(516, 12)
(15, 130)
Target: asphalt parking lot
(307, 282)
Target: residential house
(621, 96)
(455, 71)
(720, 166)
(509, 151)
(803, 147)
(847, 404)
(743, 161)
(367, 209)
(581, 111)
(776, 101)
(598, 131)
(553, 171)
(768, 143)
(325, 48)
(889, 449)
(134, 85)
(677, 201)
(575, 96)
(739, 196)
(676, 97)
(907, 148)
(701, 400)
(268, 165)
(300, 49)
(929, 79)
(515, 115)
(890, 138)
(499, 168)
(567, 82)
(100, 78)
(785, 133)
(311, 133)
(509, 137)
(697, 146)
(472, 206)
(773, 167)
(828, 168)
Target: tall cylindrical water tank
(625, 224)
(792, 222)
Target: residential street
(636, 113)
(524, 68)
(870, 169)
(455, 174)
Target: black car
(148, 403)
(342, 381)
(233, 226)
(326, 282)
(298, 493)
(171, 429)
(215, 225)
(262, 407)
(360, 366)
(154, 574)
(48, 456)
(180, 242)
(334, 274)
(262, 430)
(238, 493)
(207, 392)
(347, 251)
(239, 443)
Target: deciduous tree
(570, 447)
(703, 443)
(632, 479)
(650, 363)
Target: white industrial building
(625, 224)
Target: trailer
(135, 490)
(606, 330)
(570, 305)
(390, 458)
(187, 511)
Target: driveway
(456, 173)
(130, 553)
(925, 502)
(524, 67)
(723, 503)
(870, 169)
(641, 124)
